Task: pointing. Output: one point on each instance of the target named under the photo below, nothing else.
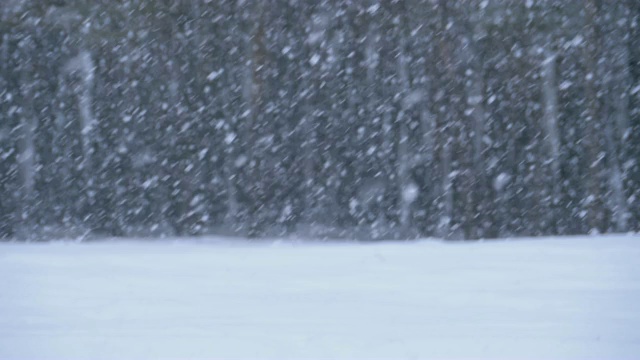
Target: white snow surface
(574, 297)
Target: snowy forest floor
(574, 297)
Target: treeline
(387, 119)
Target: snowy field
(536, 298)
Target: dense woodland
(342, 118)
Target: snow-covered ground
(535, 298)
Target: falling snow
(375, 120)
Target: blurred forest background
(342, 118)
